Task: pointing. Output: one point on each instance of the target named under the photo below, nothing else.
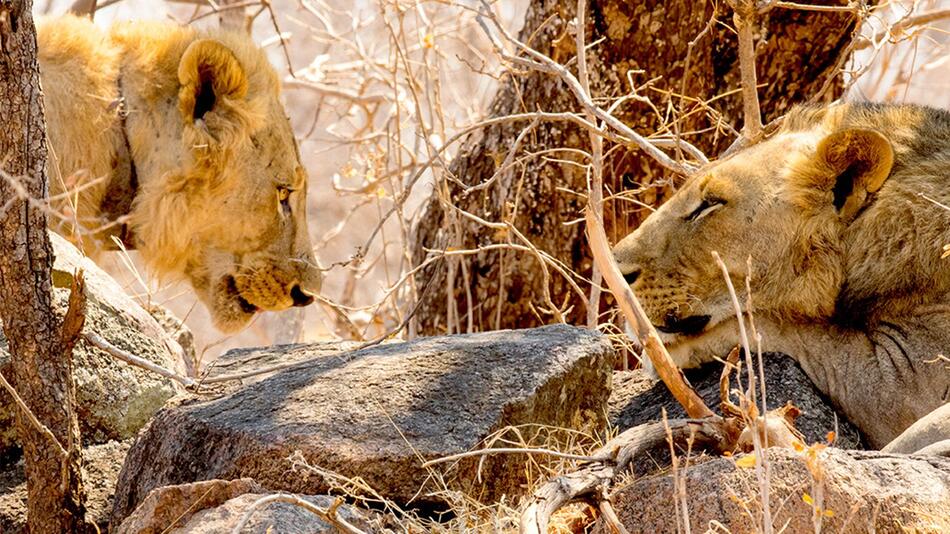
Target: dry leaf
(746, 462)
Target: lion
(174, 142)
(841, 216)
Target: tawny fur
(837, 213)
(208, 204)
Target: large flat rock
(113, 399)
(379, 413)
(217, 506)
(855, 492)
(637, 399)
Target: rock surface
(928, 432)
(173, 506)
(180, 333)
(637, 399)
(114, 399)
(241, 361)
(379, 413)
(101, 464)
(218, 506)
(862, 491)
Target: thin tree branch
(99, 342)
(745, 17)
(329, 515)
(669, 373)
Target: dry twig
(100, 342)
(712, 433)
(745, 15)
(329, 515)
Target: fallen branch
(713, 433)
(669, 373)
(610, 517)
(99, 342)
(329, 515)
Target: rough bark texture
(101, 465)
(113, 399)
(41, 373)
(649, 40)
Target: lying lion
(839, 213)
(175, 143)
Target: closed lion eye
(707, 206)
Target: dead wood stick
(100, 342)
(595, 182)
(712, 433)
(671, 375)
(329, 515)
(745, 13)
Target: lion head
(827, 213)
(222, 193)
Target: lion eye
(283, 195)
(707, 206)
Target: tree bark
(798, 51)
(233, 18)
(40, 354)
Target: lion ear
(213, 83)
(858, 161)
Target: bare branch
(329, 515)
(507, 450)
(544, 63)
(99, 342)
(899, 28)
(744, 16)
(671, 375)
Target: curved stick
(712, 433)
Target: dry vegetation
(381, 92)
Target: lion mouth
(687, 326)
(246, 306)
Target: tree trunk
(648, 41)
(41, 356)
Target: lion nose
(299, 297)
